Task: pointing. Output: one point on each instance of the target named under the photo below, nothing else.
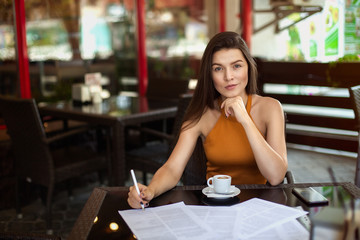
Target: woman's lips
(230, 87)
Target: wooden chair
(195, 170)
(153, 154)
(167, 89)
(160, 91)
(35, 159)
(355, 98)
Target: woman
(242, 132)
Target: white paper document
(291, 230)
(173, 221)
(257, 215)
(220, 219)
(253, 219)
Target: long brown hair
(205, 92)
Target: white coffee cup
(220, 183)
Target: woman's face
(229, 71)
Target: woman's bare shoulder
(208, 120)
(264, 102)
(266, 108)
(197, 125)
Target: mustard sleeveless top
(228, 151)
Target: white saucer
(209, 192)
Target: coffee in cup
(220, 183)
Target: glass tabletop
(108, 223)
(115, 106)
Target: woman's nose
(228, 75)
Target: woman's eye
(237, 66)
(216, 69)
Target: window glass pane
(8, 71)
(68, 39)
(176, 38)
(48, 39)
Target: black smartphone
(310, 196)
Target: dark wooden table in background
(114, 113)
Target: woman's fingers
(233, 106)
(228, 106)
(135, 200)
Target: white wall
(266, 43)
(232, 17)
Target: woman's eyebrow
(240, 60)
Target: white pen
(136, 186)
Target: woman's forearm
(163, 180)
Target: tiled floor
(306, 167)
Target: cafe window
(176, 28)
(176, 37)
(67, 39)
(8, 72)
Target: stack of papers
(253, 219)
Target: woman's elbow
(278, 176)
(276, 180)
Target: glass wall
(8, 75)
(176, 38)
(69, 38)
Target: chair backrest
(170, 89)
(195, 170)
(355, 97)
(183, 103)
(28, 138)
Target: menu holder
(81, 94)
(93, 81)
(88, 92)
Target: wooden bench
(316, 100)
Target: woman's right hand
(145, 196)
